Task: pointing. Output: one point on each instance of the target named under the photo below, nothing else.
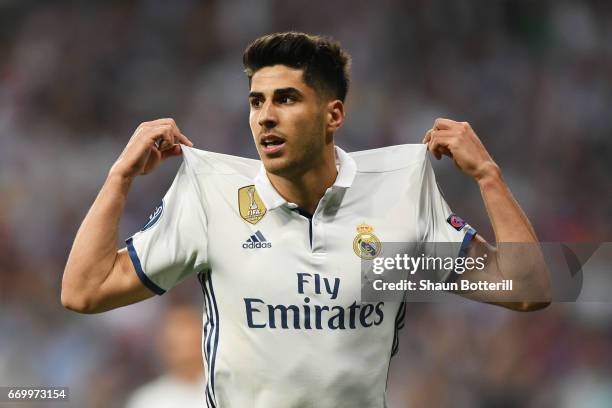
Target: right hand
(151, 143)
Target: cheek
(254, 126)
(310, 123)
(313, 126)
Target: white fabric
(168, 392)
(259, 301)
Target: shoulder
(390, 158)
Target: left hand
(458, 141)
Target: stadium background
(533, 78)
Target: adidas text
(257, 245)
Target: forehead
(276, 77)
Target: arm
(99, 277)
(521, 262)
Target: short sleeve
(172, 245)
(443, 233)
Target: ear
(334, 115)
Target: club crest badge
(366, 245)
(251, 208)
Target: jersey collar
(347, 168)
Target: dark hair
(325, 63)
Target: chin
(279, 166)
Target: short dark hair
(325, 63)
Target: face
(180, 340)
(290, 124)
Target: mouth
(271, 144)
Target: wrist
(116, 176)
(488, 172)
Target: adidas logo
(257, 241)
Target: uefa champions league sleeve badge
(251, 208)
(154, 217)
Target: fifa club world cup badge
(251, 208)
(366, 245)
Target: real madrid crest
(251, 208)
(366, 245)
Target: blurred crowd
(533, 78)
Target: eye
(255, 102)
(286, 99)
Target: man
(182, 384)
(277, 245)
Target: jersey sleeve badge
(154, 217)
(456, 222)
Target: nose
(267, 115)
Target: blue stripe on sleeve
(465, 245)
(143, 277)
(466, 242)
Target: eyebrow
(278, 92)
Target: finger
(184, 140)
(435, 151)
(163, 122)
(442, 123)
(174, 151)
(169, 138)
(439, 144)
(445, 151)
(434, 147)
(162, 136)
(427, 137)
(440, 150)
(444, 133)
(154, 124)
(178, 136)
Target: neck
(306, 188)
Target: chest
(289, 257)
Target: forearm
(94, 250)
(518, 254)
(510, 224)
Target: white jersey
(167, 391)
(284, 323)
